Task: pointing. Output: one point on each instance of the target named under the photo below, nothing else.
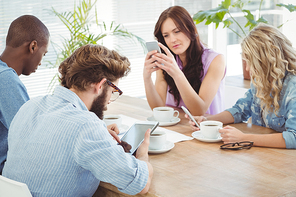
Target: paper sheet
(172, 136)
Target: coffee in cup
(210, 129)
(110, 119)
(157, 140)
(164, 114)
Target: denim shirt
(13, 94)
(284, 121)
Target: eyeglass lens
(114, 95)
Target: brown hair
(90, 64)
(27, 28)
(194, 68)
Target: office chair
(11, 188)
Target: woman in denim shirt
(271, 100)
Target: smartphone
(136, 133)
(190, 116)
(153, 45)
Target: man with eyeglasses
(59, 145)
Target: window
(138, 17)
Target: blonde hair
(90, 64)
(270, 55)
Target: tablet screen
(135, 135)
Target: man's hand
(142, 152)
(114, 131)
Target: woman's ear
(33, 46)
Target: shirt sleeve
(290, 134)
(241, 111)
(97, 151)
(13, 96)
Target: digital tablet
(136, 134)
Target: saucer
(168, 146)
(172, 122)
(123, 128)
(197, 135)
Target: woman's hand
(198, 119)
(230, 134)
(149, 65)
(167, 62)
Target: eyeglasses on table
(237, 145)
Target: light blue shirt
(58, 148)
(285, 122)
(13, 95)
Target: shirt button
(278, 123)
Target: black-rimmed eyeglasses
(116, 91)
(237, 145)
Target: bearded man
(59, 145)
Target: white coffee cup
(164, 114)
(157, 140)
(110, 119)
(210, 129)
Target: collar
(70, 96)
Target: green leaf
(262, 20)
(251, 21)
(226, 4)
(227, 23)
(84, 28)
(290, 7)
(209, 15)
(240, 4)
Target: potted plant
(84, 28)
(223, 14)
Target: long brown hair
(194, 67)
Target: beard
(99, 104)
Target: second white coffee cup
(164, 114)
(210, 129)
(110, 119)
(157, 140)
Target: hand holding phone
(190, 116)
(153, 45)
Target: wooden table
(195, 168)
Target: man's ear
(33, 46)
(99, 86)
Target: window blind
(37, 83)
(137, 16)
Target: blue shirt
(59, 148)
(284, 122)
(13, 95)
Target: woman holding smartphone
(271, 100)
(187, 73)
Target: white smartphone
(153, 45)
(136, 133)
(190, 116)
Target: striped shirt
(58, 148)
